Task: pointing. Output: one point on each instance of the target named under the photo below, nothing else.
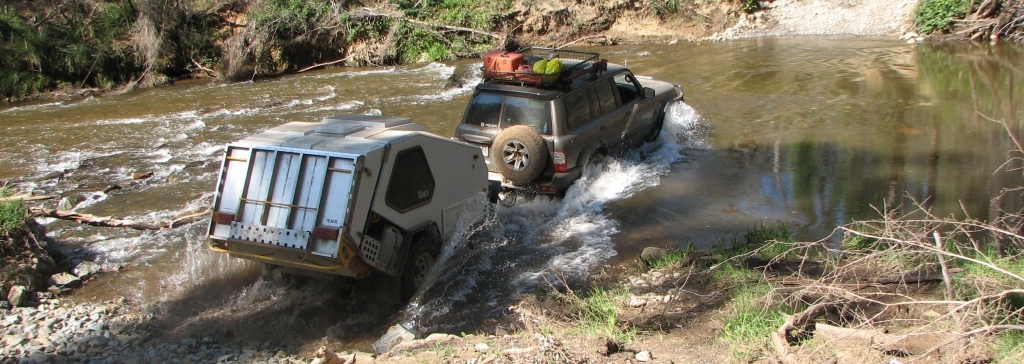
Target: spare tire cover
(520, 154)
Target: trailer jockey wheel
(421, 260)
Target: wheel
(520, 153)
(657, 128)
(418, 264)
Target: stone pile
(55, 331)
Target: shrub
(751, 6)
(937, 15)
(12, 213)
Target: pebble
(107, 332)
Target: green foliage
(420, 45)
(671, 258)
(749, 319)
(663, 7)
(80, 43)
(599, 317)
(1009, 347)
(465, 13)
(751, 6)
(852, 242)
(596, 314)
(12, 213)
(290, 17)
(763, 234)
(976, 279)
(937, 15)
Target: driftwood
(919, 276)
(26, 197)
(324, 64)
(110, 221)
(801, 326)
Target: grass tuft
(12, 213)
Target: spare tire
(520, 153)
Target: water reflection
(817, 133)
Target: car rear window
(484, 110)
(497, 110)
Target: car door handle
(601, 128)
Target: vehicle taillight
(559, 161)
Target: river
(812, 133)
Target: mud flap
(493, 188)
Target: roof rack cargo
(516, 67)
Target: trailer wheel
(418, 264)
(520, 153)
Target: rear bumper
(554, 185)
(350, 267)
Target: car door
(612, 118)
(637, 110)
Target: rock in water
(65, 280)
(396, 335)
(85, 269)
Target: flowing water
(808, 132)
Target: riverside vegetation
(909, 285)
(84, 45)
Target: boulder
(18, 295)
(644, 356)
(65, 280)
(142, 175)
(651, 253)
(396, 335)
(85, 269)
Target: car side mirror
(648, 92)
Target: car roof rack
(575, 64)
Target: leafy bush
(12, 213)
(420, 45)
(937, 15)
(751, 6)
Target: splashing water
(544, 240)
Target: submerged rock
(65, 280)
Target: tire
(421, 260)
(657, 126)
(520, 154)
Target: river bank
(141, 45)
(510, 341)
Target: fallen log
(110, 221)
(27, 197)
(920, 276)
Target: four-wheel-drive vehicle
(538, 130)
(353, 195)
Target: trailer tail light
(326, 232)
(223, 217)
(559, 157)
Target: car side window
(484, 110)
(628, 90)
(605, 95)
(411, 184)
(577, 109)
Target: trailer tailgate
(279, 196)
